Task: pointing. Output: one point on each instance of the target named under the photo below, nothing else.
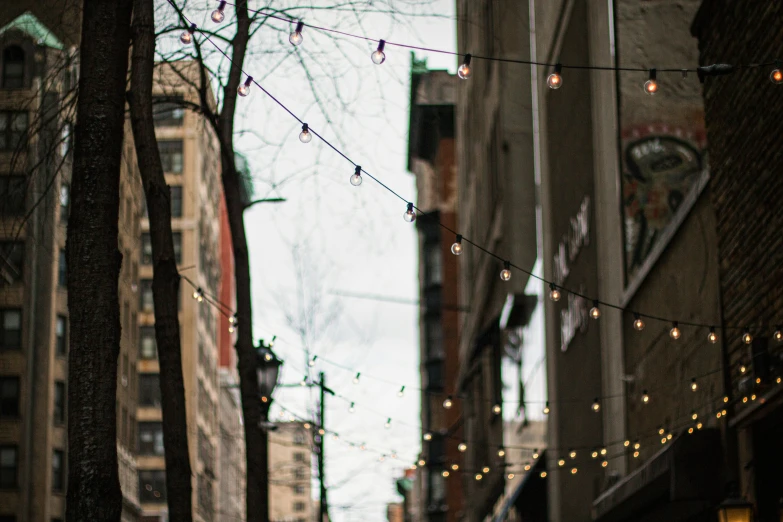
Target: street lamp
(267, 371)
(735, 509)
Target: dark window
(299, 438)
(149, 390)
(7, 518)
(299, 489)
(62, 270)
(147, 346)
(434, 333)
(150, 438)
(146, 249)
(152, 486)
(58, 470)
(8, 465)
(13, 67)
(433, 264)
(13, 129)
(65, 202)
(9, 397)
(59, 402)
(61, 332)
(435, 379)
(13, 190)
(167, 111)
(299, 506)
(299, 473)
(171, 155)
(145, 296)
(10, 329)
(178, 247)
(11, 262)
(299, 456)
(176, 201)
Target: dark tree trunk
(94, 264)
(165, 281)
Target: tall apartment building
(290, 473)
(38, 72)
(189, 153)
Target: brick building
(291, 473)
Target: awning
(530, 494)
(681, 481)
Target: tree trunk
(165, 281)
(94, 264)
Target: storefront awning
(681, 481)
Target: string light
(217, 14)
(645, 397)
(674, 333)
(546, 408)
(712, 336)
(388, 423)
(356, 377)
(464, 70)
(296, 37)
(305, 136)
(776, 76)
(321, 431)
(303, 382)
(422, 462)
(479, 476)
(638, 323)
(427, 436)
(445, 473)
(448, 402)
(605, 463)
(596, 405)
(496, 409)
(363, 447)
(401, 392)
(456, 248)
(555, 81)
(572, 454)
(694, 386)
(381, 458)
(637, 444)
(594, 455)
(535, 454)
(356, 177)
(198, 295)
(651, 85)
(462, 447)
(746, 337)
(743, 368)
(311, 363)
(694, 415)
(543, 474)
(510, 476)
(573, 471)
(603, 451)
(699, 425)
(244, 89)
(410, 215)
(501, 452)
(505, 274)
(378, 56)
(554, 293)
(661, 431)
(527, 466)
(595, 312)
(561, 462)
(187, 36)
(778, 335)
(485, 469)
(352, 408)
(726, 399)
(454, 467)
(626, 443)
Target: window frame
(15, 482)
(147, 332)
(3, 331)
(58, 475)
(3, 399)
(60, 417)
(169, 149)
(156, 477)
(151, 448)
(8, 141)
(61, 340)
(22, 80)
(8, 191)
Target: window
(13, 129)
(299, 456)
(145, 296)
(152, 486)
(171, 155)
(150, 438)
(176, 201)
(147, 346)
(65, 202)
(167, 111)
(61, 331)
(146, 249)
(62, 270)
(13, 190)
(8, 458)
(9, 397)
(13, 67)
(434, 333)
(66, 139)
(7, 518)
(433, 264)
(299, 489)
(58, 470)
(59, 402)
(178, 247)
(149, 390)
(10, 329)
(299, 506)
(299, 438)
(299, 473)
(11, 262)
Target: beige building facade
(290, 473)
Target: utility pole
(324, 513)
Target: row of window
(11, 331)
(9, 468)
(10, 396)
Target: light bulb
(603, 451)
(456, 248)
(596, 405)
(501, 452)
(595, 312)
(462, 447)
(448, 403)
(505, 274)
(479, 476)
(496, 409)
(445, 473)
(638, 322)
(746, 337)
(311, 363)
(573, 471)
(427, 436)
(363, 447)
(381, 458)
(198, 295)
(303, 382)
(543, 474)
(305, 136)
(546, 408)
(356, 377)
(694, 386)
(232, 319)
(296, 36)
(776, 76)
(594, 455)
(637, 445)
(675, 333)
(699, 425)
(778, 335)
(244, 89)
(217, 14)
(554, 293)
(626, 443)
(464, 70)
(606, 463)
(690, 430)
(694, 415)
(454, 467)
(572, 454)
(510, 476)
(527, 466)
(352, 408)
(645, 397)
(555, 81)
(485, 469)
(231, 328)
(187, 36)
(712, 337)
(561, 463)
(410, 214)
(535, 454)
(743, 368)
(422, 462)
(306, 425)
(388, 423)
(401, 392)
(378, 57)
(651, 85)
(356, 177)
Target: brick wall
(744, 119)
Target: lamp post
(267, 371)
(735, 509)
